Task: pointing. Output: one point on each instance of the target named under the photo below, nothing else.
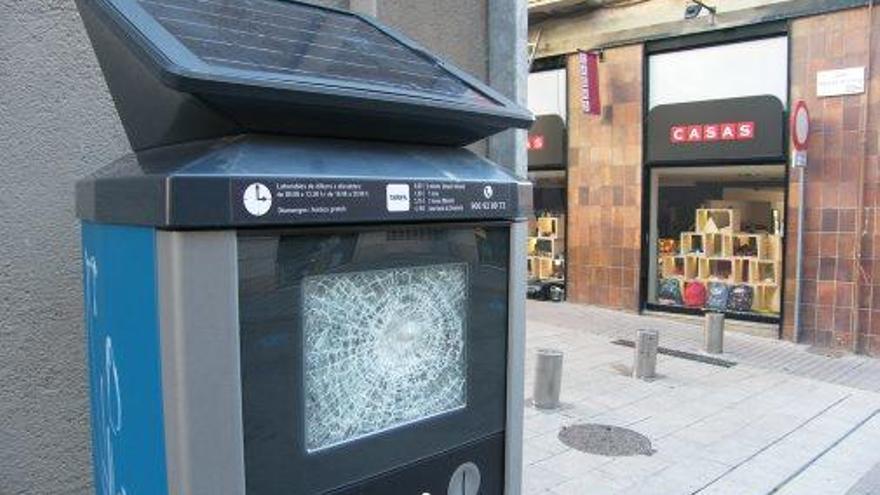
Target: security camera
(692, 10)
(696, 7)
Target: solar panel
(181, 70)
(291, 40)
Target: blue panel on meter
(124, 359)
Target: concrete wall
(57, 123)
(454, 28)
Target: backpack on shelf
(740, 298)
(669, 292)
(694, 294)
(717, 298)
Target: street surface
(784, 420)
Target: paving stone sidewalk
(685, 333)
(771, 424)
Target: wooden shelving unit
(767, 299)
(718, 252)
(724, 220)
(546, 247)
(553, 227)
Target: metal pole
(799, 264)
(713, 333)
(645, 365)
(548, 379)
(508, 73)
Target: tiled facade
(605, 178)
(841, 301)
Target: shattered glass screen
(382, 348)
(366, 348)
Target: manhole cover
(609, 441)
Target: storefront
(680, 196)
(547, 158)
(715, 176)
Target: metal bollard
(645, 366)
(548, 379)
(713, 333)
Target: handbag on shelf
(669, 292)
(694, 294)
(740, 298)
(717, 297)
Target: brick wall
(605, 177)
(841, 302)
(841, 296)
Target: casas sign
(735, 129)
(731, 131)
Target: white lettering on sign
(849, 81)
(727, 131)
(745, 130)
(397, 197)
(799, 159)
(711, 132)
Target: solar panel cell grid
(284, 39)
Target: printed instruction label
(311, 200)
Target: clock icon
(257, 199)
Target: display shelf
(724, 220)
(551, 226)
(716, 270)
(741, 270)
(548, 246)
(766, 272)
(748, 245)
(691, 267)
(767, 298)
(692, 243)
(718, 244)
(718, 252)
(771, 248)
(671, 266)
(541, 267)
(686, 267)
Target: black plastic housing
(311, 181)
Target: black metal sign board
(286, 201)
(547, 143)
(729, 130)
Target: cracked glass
(381, 349)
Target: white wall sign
(849, 81)
(732, 70)
(547, 92)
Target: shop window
(716, 239)
(546, 248)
